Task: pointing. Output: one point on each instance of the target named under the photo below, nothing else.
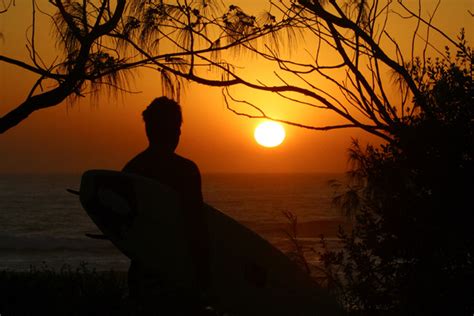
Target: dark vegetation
(67, 291)
(411, 249)
(85, 291)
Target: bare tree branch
(104, 41)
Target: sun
(269, 134)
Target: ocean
(42, 224)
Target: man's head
(163, 123)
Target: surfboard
(249, 276)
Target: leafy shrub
(411, 248)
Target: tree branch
(25, 66)
(34, 103)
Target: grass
(67, 291)
(83, 291)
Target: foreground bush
(67, 291)
(411, 248)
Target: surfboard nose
(109, 189)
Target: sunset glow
(269, 134)
(107, 131)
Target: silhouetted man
(163, 120)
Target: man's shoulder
(135, 163)
(186, 163)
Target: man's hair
(163, 113)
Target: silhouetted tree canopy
(411, 248)
(102, 42)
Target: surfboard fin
(75, 192)
(96, 236)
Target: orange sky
(73, 139)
